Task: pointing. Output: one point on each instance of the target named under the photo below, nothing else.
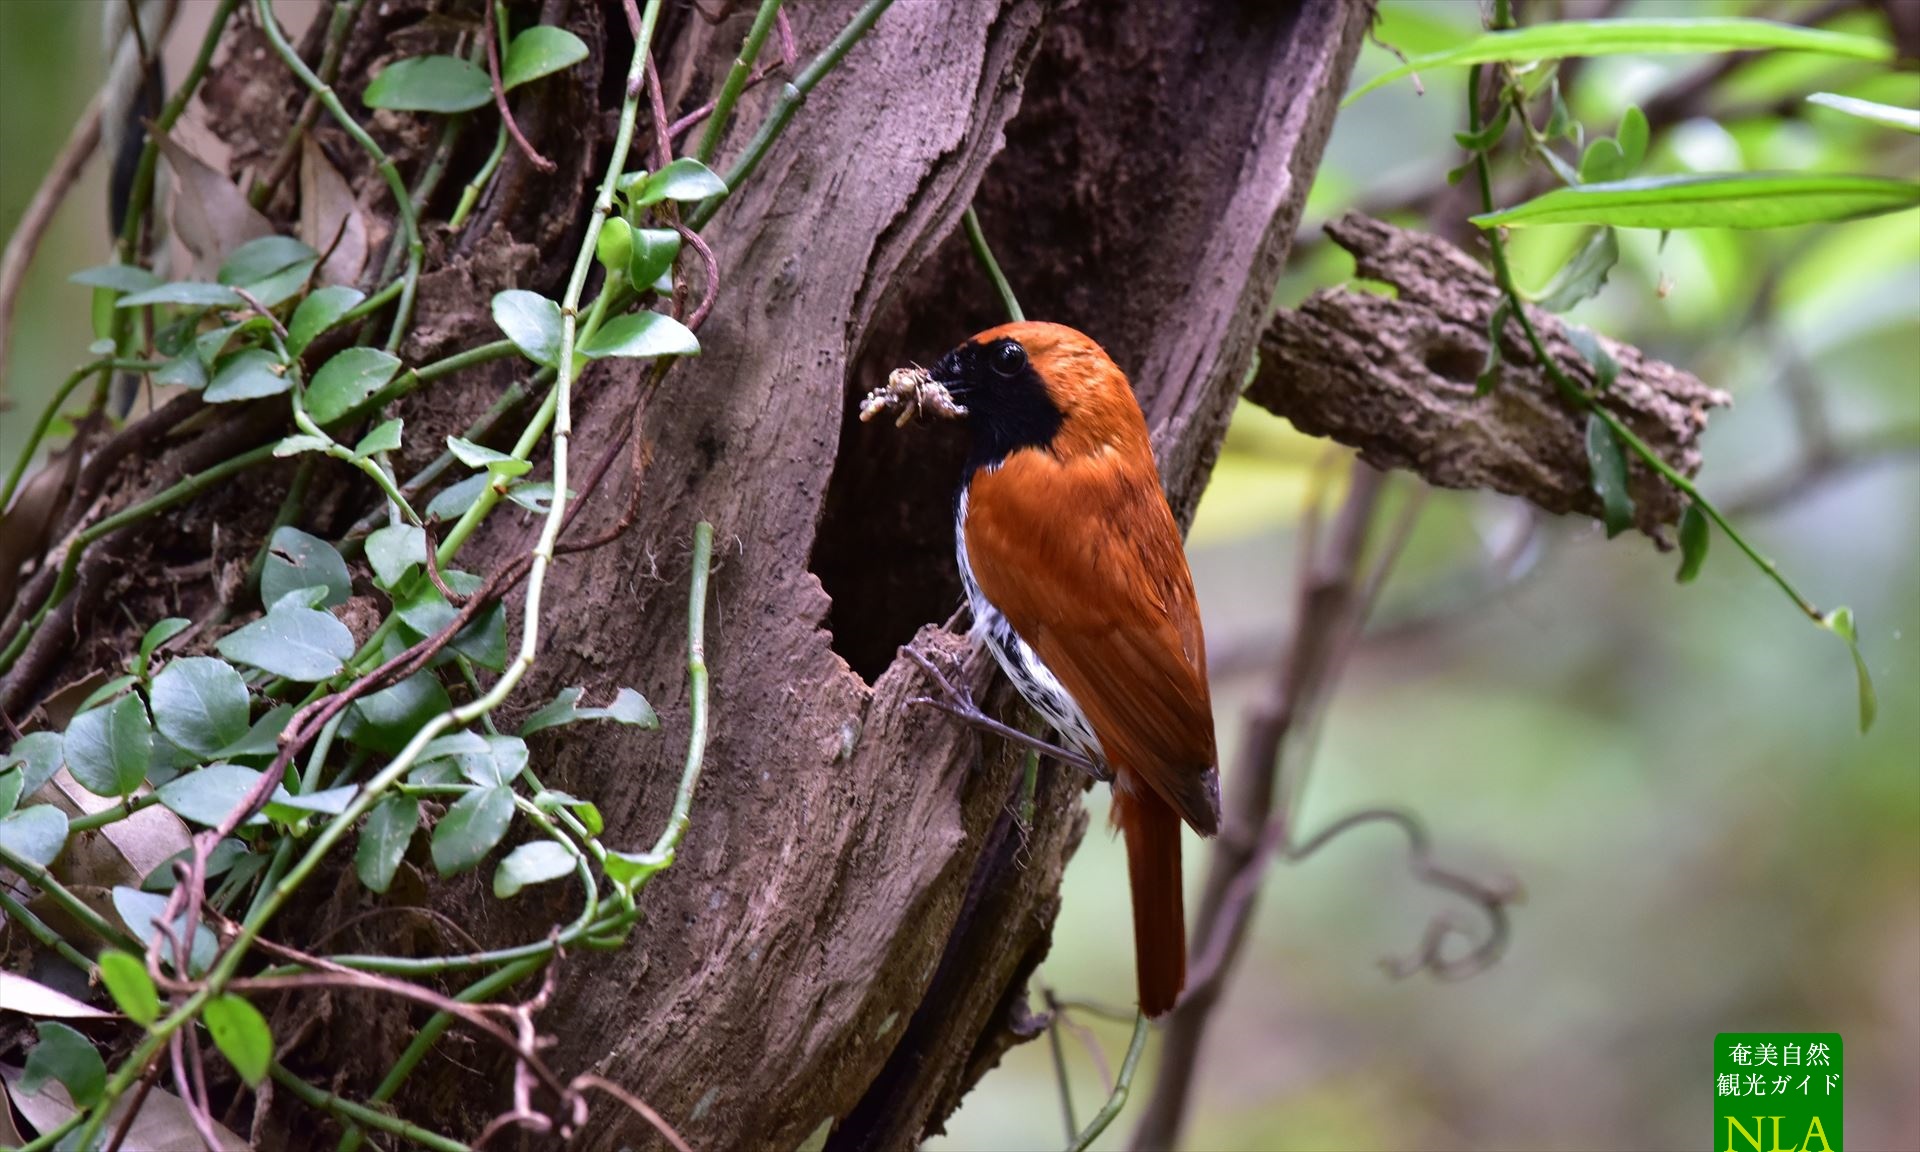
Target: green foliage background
(1706, 841)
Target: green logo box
(1777, 1092)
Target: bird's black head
(1008, 406)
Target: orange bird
(1078, 585)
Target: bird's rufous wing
(1090, 573)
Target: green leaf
(263, 739)
(1560, 121)
(588, 814)
(242, 1036)
(1496, 329)
(287, 807)
(224, 856)
(383, 840)
(1584, 275)
(65, 1055)
(387, 719)
(1489, 134)
(297, 559)
(540, 51)
(653, 252)
(35, 833)
(295, 445)
(183, 371)
(1886, 115)
(628, 707)
(293, 640)
(347, 381)
(1609, 468)
(1694, 536)
(532, 322)
(130, 986)
(429, 84)
(394, 551)
(1633, 137)
(206, 795)
(480, 456)
(501, 764)
(107, 692)
(1603, 162)
(319, 312)
(1840, 623)
(141, 912)
(641, 334)
(535, 496)
(108, 749)
(118, 277)
(630, 868)
(1738, 200)
(470, 829)
(1605, 368)
(258, 259)
(385, 437)
(452, 502)
(191, 293)
(614, 246)
(200, 704)
(10, 783)
(534, 862)
(38, 755)
(159, 634)
(248, 375)
(1564, 39)
(685, 179)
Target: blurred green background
(1673, 773)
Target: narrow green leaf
(107, 692)
(293, 640)
(1564, 39)
(1584, 275)
(10, 782)
(36, 833)
(639, 335)
(1736, 200)
(38, 755)
(628, 707)
(130, 986)
(1605, 368)
(1489, 134)
(160, 633)
(442, 84)
(534, 862)
(258, 259)
(385, 437)
(295, 445)
(653, 252)
(297, 559)
(394, 551)
(1609, 468)
(190, 293)
(242, 1036)
(588, 814)
(1496, 328)
(118, 277)
(207, 795)
(108, 749)
(383, 840)
(63, 1054)
(480, 456)
(347, 381)
(470, 829)
(263, 738)
(1560, 121)
(1633, 137)
(1695, 533)
(685, 179)
(140, 911)
(540, 51)
(200, 704)
(531, 321)
(1886, 115)
(319, 312)
(1840, 623)
(630, 868)
(452, 502)
(287, 807)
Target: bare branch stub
(1395, 377)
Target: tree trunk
(844, 940)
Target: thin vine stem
(736, 81)
(1122, 1086)
(984, 253)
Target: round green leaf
(429, 84)
(387, 719)
(653, 253)
(139, 910)
(292, 640)
(200, 704)
(296, 560)
(108, 749)
(614, 247)
(38, 756)
(641, 334)
(470, 829)
(248, 375)
(206, 795)
(531, 321)
(242, 1036)
(501, 764)
(347, 381)
(394, 551)
(132, 989)
(383, 840)
(65, 1055)
(540, 51)
(319, 312)
(685, 179)
(37, 833)
(535, 862)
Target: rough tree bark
(844, 941)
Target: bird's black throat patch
(1008, 407)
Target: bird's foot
(958, 703)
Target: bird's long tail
(1152, 829)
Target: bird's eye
(1009, 358)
